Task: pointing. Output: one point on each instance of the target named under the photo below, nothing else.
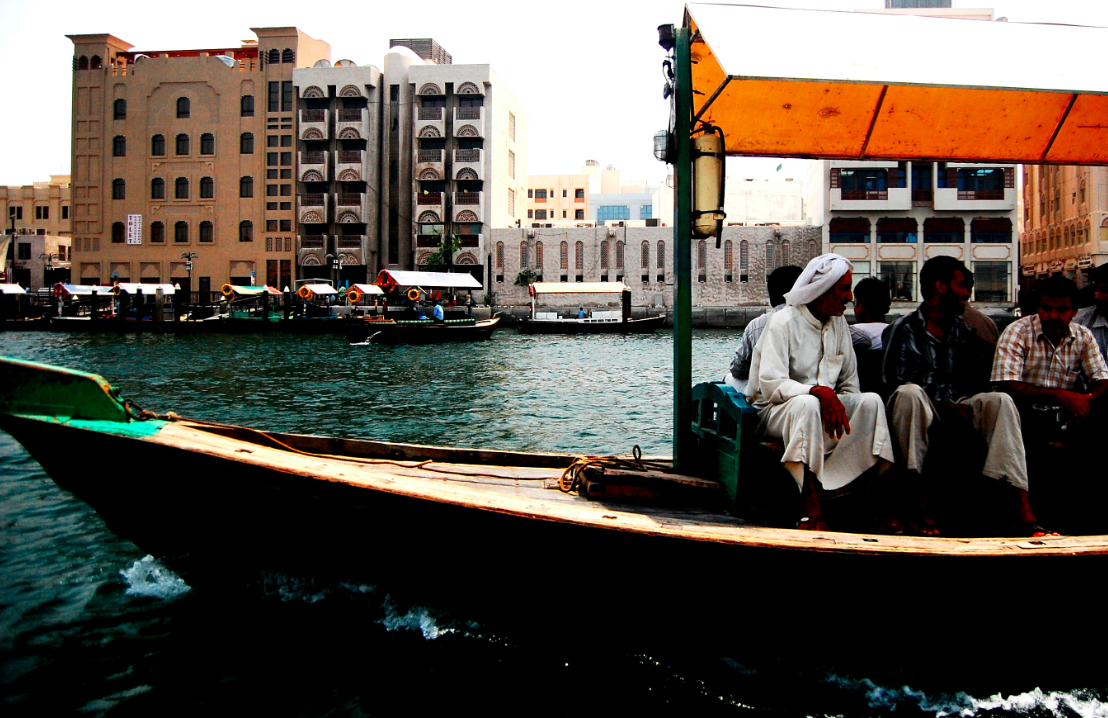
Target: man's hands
(1076, 404)
(832, 412)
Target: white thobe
(796, 353)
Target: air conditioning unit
(530, 234)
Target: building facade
(562, 198)
(889, 218)
(36, 239)
(753, 202)
(172, 155)
(1065, 222)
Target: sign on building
(134, 229)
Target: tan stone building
(174, 152)
(35, 246)
(1065, 222)
(558, 198)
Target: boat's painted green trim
(30, 388)
(682, 258)
(131, 429)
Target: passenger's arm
(775, 383)
(1075, 403)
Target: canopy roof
(368, 288)
(12, 289)
(134, 287)
(253, 291)
(445, 280)
(577, 287)
(319, 288)
(984, 91)
(84, 290)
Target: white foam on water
(102, 705)
(416, 619)
(358, 587)
(148, 577)
(1036, 702)
(292, 588)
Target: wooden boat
(419, 331)
(574, 321)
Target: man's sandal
(1032, 529)
(808, 523)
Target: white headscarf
(819, 276)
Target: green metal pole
(682, 259)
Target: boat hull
(358, 332)
(572, 326)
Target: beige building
(35, 246)
(558, 198)
(751, 202)
(174, 152)
(1065, 222)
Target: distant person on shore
(580, 312)
(779, 281)
(1095, 318)
(437, 312)
(804, 383)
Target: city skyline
(589, 75)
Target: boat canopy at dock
(889, 105)
(577, 288)
(437, 280)
(318, 289)
(253, 291)
(82, 290)
(12, 289)
(135, 288)
(367, 288)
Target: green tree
(443, 257)
(525, 277)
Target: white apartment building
(888, 218)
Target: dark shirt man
(1095, 318)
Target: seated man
(1095, 318)
(779, 281)
(804, 383)
(871, 304)
(930, 363)
(1045, 360)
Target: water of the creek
(90, 624)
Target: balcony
(431, 241)
(429, 117)
(350, 165)
(318, 241)
(923, 197)
(469, 116)
(311, 250)
(313, 167)
(429, 200)
(350, 241)
(352, 124)
(469, 241)
(472, 159)
(472, 201)
(350, 208)
(884, 200)
(312, 208)
(313, 125)
(428, 160)
(950, 198)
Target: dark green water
(90, 624)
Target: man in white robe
(804, 382)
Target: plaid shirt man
(1023, 353)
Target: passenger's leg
(910, 415)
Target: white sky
(587, 71)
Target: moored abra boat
(550, 320)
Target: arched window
(119, 146)
(207, 144)
(538, 257)
(82, 63)
(157, 233)
(184, 108)
(207, 188)
(157, 145)
(182, 144)
(524, 259)
(500, 256)
(96, 63)
(620, 255)
(744, 255)
(604, 254)
(181, 188)
(207, 236)
(157, 188)
(119, 189)
(644, 255)
(288, 55)
(246, 231)
(813, 249)
(728, 256)
(246, 143)
(786, 251)
(247, 105)
(579, 256)
(117, 233)
(770, 265)
(563, 255)
(181, 232)
(246, 187)
(661, 255)
(119, 110)
(274, 57)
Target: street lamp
(336, 265)
(188, 257)
(47, 265)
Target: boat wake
(417, 618)
(149, 577)
(1081, 703)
